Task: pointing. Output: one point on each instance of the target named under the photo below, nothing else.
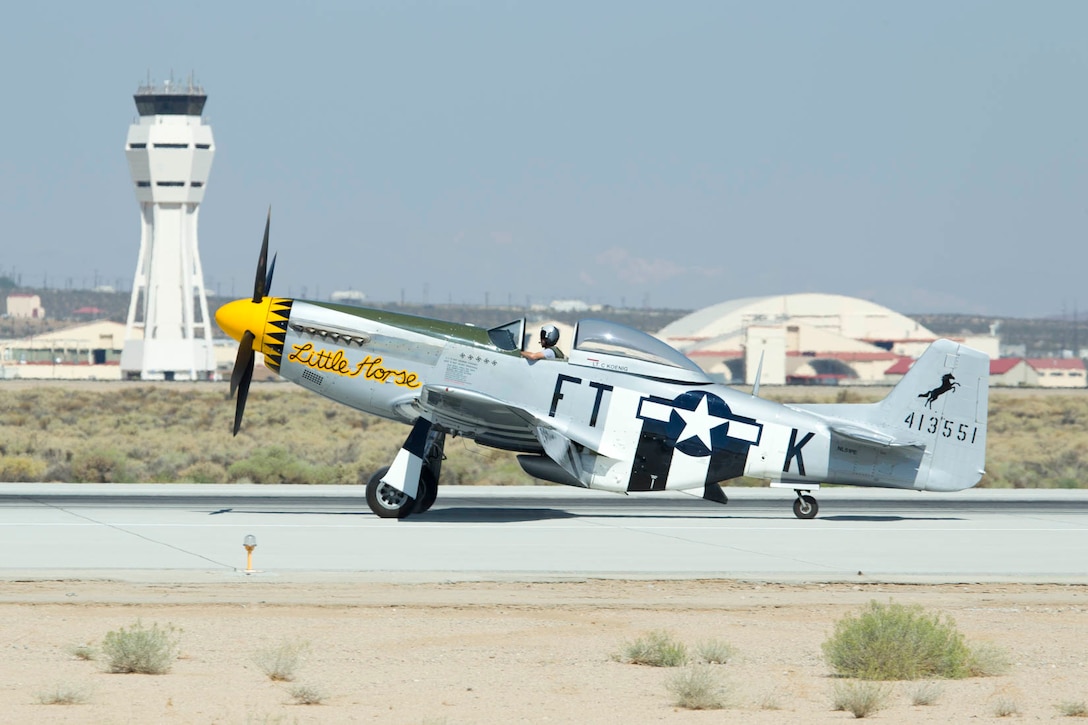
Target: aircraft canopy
(610, 345)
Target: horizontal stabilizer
(870, 436)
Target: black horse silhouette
(948, 382)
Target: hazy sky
(929, 156)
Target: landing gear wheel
(386, 501)
(805, 506)
(428, 491)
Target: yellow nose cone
(234, 318)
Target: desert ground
(509, 651)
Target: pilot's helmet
(549, 335)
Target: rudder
(942, 404)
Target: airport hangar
(805, 339)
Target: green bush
(897, 642)
(142, 650)
(656, 649)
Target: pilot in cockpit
(549, 337)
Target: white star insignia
(698, 423)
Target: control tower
(169, 150)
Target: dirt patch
(485, 652)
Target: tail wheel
(386, 501)
(805, 506)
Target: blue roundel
(698, 423)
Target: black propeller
(264, 278)
(242, 375)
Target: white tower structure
(169, 150)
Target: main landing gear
(805, 506)
(391, 503)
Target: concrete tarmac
(171, 532)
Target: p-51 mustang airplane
(621, 412)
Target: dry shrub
(307, 695)
(277, 464)
(21, 469)
(203, 472)
(281, 662)
(988, 660)
(1077, 708)
(926, 694)
(64, 693)
(656, 649)
(698, 688)
(714, 652)
(141, 650)
(861, 699)
(100, 466)
(162, 432)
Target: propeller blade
(243, 393)
(244, 357)
(268, 279)
(259, 287)
(241, 376)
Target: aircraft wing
(486, 419)
(489, 420)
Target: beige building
(84, 352)
(23, 306)
(1054, 372)
(1011, 372)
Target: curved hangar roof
(846, 316)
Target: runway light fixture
(250, 543)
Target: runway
(195, 533)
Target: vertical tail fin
(942, 404)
